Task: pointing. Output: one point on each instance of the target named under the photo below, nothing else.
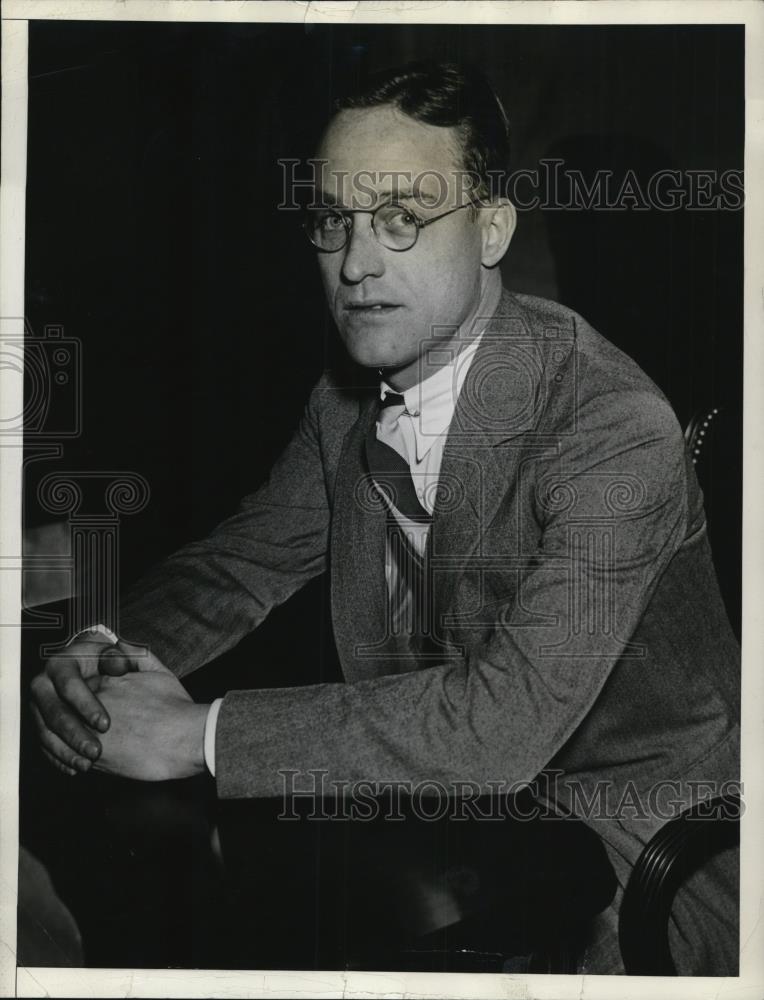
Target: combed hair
(451, 96)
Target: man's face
(437, 282)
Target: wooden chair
(675, 851)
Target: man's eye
(330, 222)
(399, 218)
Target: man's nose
(364, 255)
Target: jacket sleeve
(202, 600)
(503, 710)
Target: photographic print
(379, 436)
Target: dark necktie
(409, 599)
(390, 470)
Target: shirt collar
(430, 404)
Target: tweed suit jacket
(578, 622)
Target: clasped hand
(119, 710)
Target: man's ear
(498, 220)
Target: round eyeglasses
(395, 226)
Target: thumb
(114, 662)
(139, 657)
(127, 657)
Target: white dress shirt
(419, 432)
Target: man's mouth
(370, 308)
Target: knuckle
(62, 724)
(69, 687)
(53, 666)
(44, 707)
(39, 685)
(68, 729)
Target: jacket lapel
(501, 399)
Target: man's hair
(451, 96)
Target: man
(521, 578)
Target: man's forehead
(382, 150)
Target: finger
(88, 646)
(61, 721)
(115, 662)
(142, 657)
(69, 771)
(72, 689)
(95, 683)
(56, 749)
(57, 763)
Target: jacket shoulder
(336, 400)
(600, 360)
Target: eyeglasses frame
(419, 223)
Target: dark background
(153, 235)
(153, 238)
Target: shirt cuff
(210, 728)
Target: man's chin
(371, 354)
